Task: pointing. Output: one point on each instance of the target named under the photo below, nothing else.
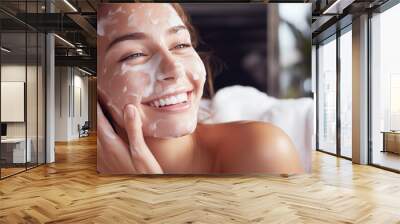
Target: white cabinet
(16, 150)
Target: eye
(132, 56)
(180, 46)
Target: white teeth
(162, 102)
(174, 100)
(183, 97)
(180, 98)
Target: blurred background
(267, 46)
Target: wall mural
(157, 109)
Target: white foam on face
(101, 25)
(191, 125)
(178, 65)
(151, 68)
(166, 129)
(132, 21)
(200, 72)
(154, 21)
(180, 69)
(161, 76)
(195, 76)
(108, 20)
(153, 127)
(114, 12)
(174, 20)
(149, 13)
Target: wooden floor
(70, 191)
(388, 159)
(10, 171)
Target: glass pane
(327, 97)
(41, 98)
(346, 94)
(385, 86)
(31, 98)
(13, 87)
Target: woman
(150, 84)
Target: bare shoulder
(256, 147)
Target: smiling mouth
(173, 102)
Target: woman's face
(146, 59)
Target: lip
(180, 107)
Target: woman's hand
(115, 156)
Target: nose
(170, 68)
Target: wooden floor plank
(71, 191)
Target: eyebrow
(176, 29)
(140, 35)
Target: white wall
(61, 103)
(15, 72)
(70, 83)
(33, 126)
(80, 100)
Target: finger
(130, 98)
(144, 159)
(113, 151)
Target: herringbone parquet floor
(70, 191)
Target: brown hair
(205, 56)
